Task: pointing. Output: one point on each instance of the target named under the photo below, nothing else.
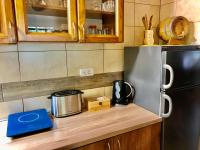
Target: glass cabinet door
(7, 23)
(46, 20)
(100, 20)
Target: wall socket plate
(86, 72)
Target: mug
(123, 92)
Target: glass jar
(92, 29)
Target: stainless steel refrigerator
(167, 82)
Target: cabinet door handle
(83, 30)
(119, 144)
(74, 30)
(109, 148)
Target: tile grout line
(22, 100)
(19, 63)
(134, 25)
(2, 93)
(23, 106)
(103, 58)
(66, 54)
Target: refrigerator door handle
(163, 99)
(168, 67)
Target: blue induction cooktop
(28, 122)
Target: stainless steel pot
(66, 103)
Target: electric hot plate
(28, 122)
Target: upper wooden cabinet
(100, 20)
(57, 20)
(7, 22)
(46, 20)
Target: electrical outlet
(86, 72)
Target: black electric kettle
(123, 92)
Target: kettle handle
(130, 88)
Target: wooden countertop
(82, 129)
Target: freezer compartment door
(185, 65)
(181, 131)
(171, 77)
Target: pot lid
(66, 93)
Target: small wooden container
(97, 103)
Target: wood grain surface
(27, 89)
(82, 129)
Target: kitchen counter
(82, 129)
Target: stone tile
(129, 13)
(42, 65)
(36, 88)
(152, 2)
(196, 33)
(189, 9)
(108, 91)
(128, 36)
(97, 92)
(84, 46)
(113, 46)
(8, 47)
(40, 46)
(168, 10)
(129, 1)
(167, 1)
(141, 10)
(37, 103)
(113, 60)
(84, 59)
(98, 80)
(1, 94)
(28, 89)
(7, 108)
(9, 67)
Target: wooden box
(97, 103)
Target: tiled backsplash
(34, 61)
(188, 8)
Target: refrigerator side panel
(143, 70)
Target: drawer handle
(109, 148)
(119, 145)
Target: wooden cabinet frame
(118, 37)
(7, 22)
(22, 26)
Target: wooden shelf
(98, 13)
(48, 10)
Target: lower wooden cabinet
(147, 138)
(106, 144)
